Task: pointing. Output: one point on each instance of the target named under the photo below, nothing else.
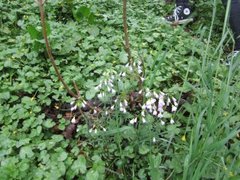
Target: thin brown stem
(126, 36)
(49, 52)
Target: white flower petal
(134, 120)
(174, 108)
(144, 120)
(73, 120)
(74, 108)
(154, 113)
(154, 139)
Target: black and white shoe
(181, 15)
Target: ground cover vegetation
(164, 107)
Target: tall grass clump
(212, 153)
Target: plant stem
(49, 52)
(126, 36)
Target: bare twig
(49, 52)
(126, 36)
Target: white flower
(130, 68)
(95, 131)
(104, 129)
(160, 115)
(150, 101)
(106, 113)
(154, 139)
(142, 79)
(94, 111)
(113, 91)
(144, 120)
(174, 108)
(139, 70)
(110, 84)
(140, 92)
(125, 102)
(122, 109)
(123, 74)
(154, 112)
(155, 94)
(112, 107)
(73, 120)
(90, 130)
(172, 121)
(175, 101)
(100, 95)
(162, 123)
(84, 104)
(98, 87)
(134, 120)
(168, 101)
(74, 108)
(143, 113)
(160, 106)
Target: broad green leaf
(85, 11)
(34, 33)
(79, 165)
(123, 57)
(144, 149)
(26, 152)
(5, 95)
(49, 123)
(91, 175)
(90, 94)
(63, 155)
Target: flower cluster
(155, 105)
(106, 85)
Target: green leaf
(123, 57)
(144, 149)
(63, 156)
(34, 33)
(79, 165)
(90, 93)
(92, 175)
(26, 152)
(49, 123)
(5, 95)
(94, 31)
(91, 18)
(82, 12)
(85, 11)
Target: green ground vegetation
(198, 141)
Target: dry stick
(125, 28)
(49, 52)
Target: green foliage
(86, 40)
